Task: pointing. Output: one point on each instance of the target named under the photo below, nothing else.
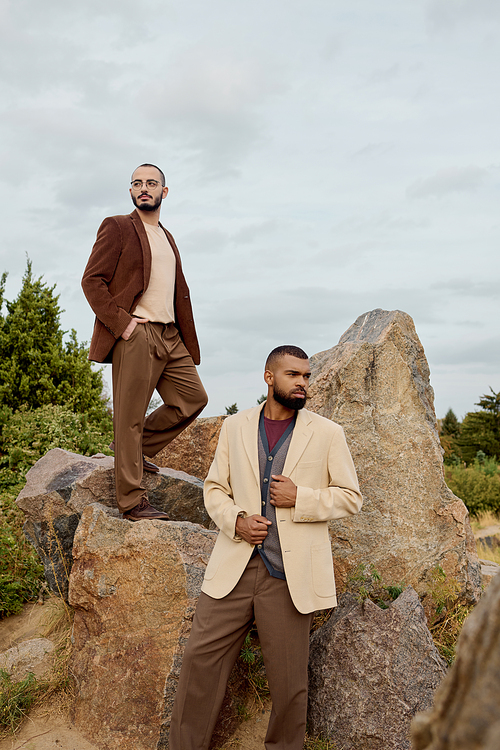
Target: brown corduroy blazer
(116, 277)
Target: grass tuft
(21, 573)
(366, 582)
(450, 612)
(251, 656)
(16, 699)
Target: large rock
(375, 383)
(34, 655)
(193, 450)
(370, 671)
(466, 712)
(134, 588)
(62, 484)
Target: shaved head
(282, 351)
(162, 176)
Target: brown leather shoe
(149, 466)
(145, 512)
(146, 465)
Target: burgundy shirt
(275, 429)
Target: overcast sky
(323, 158)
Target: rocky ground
(49, 727)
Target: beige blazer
(319, 463)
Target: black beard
(147, 206)
(290, 403)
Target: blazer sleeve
(218, 495)
(98, 274)
(341, 497)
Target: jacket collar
(300, 438)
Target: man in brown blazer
(144, 326)
(280, 473)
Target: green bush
(477, 485)
(28, 434)
(50, 397)
(25, 436)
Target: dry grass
(486, 553)
(58, 626)
(450, 612)
(483, 520)
(16, 699)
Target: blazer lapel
(249, 436)
(300, 438)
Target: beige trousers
(218, 631)
(153, 357)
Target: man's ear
(268, 377)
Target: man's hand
(283, 491)
(128, 330)
(253, 529)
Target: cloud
(469, 288)
(210, 102)
(443, 15)
(331, 48)
(468, 352)
(373, 149)
(205, 241)
(250, 233)
(451, 180)
(385, 74)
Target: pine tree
(450, 424)
(36, 366)
(449, 432)
(481, 429)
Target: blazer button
(269, 458)
(259, 546)
(265, 480)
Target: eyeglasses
(151, 184)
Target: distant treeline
(478, 433)
(472, 453)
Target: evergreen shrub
(478, 485)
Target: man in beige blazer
(144, 326)
(280, 473)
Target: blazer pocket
(309, 464)
(322, 570)
(212, 568)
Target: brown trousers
(153, 357)
(219, 629)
